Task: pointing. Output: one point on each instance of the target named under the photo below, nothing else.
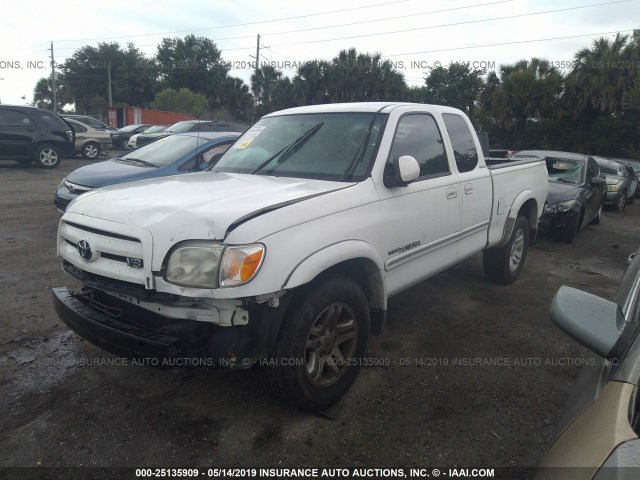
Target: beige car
(597, 436)
(89, 141)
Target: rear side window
(12, 118)
(418, 135)
(50, 120)
(464, 148)
(77, 127)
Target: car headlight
(561, 207)
(614, 188)
(203, 264)
(195, 264)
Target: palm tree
(599, 80)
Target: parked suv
(29, 134)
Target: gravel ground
(62, 405)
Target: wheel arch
(354, 259)
(526, 205)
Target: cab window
(464, 148)
(418, 135)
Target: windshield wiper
(362, 149)
(139, 162)
(290, 149)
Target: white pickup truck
(286, 252)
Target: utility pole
(53, 79)
(109, 73)
(255, 94)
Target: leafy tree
(599, 79)
(525, 89)
(133, 77)
(455, 86)
(183, 101)
(43, 93)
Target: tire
(504, 264)
(328, 306)
(569, 232)
(621, 203)
(47, 156)
(90, 150)
(596, 221)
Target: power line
(361, 22)
(447, 24)
(239, 24)
(506, 43)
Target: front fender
(322, 260)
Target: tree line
(593, 107)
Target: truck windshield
(326, 146)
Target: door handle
(468, 188)
(451, 193)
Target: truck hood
(111, 172)
(203, 205)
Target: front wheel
(324, 335)
(596, 221)
(47, 156)
(504, 264)
(90, 150)
(622, 202)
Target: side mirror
(598, 182)
(593, 321)
(405, 170)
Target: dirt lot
(58, 409)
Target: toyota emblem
(84, 250)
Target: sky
(416, 35)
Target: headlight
(240, 264)
(561, 207)
(614, 188)
(195, 264)
(202, 264)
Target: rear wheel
(504, 264)
(315, 360)
(90, 150)
(47, 156)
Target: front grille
(112, 254)
(101, 282)
(104, 233)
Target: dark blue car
(181, 153)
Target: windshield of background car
(155, 130)
(326, 146)
(92, 122)
(564, 170)
(166, 150)
(180, 127)
(129, 128)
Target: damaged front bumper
(126, 329)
